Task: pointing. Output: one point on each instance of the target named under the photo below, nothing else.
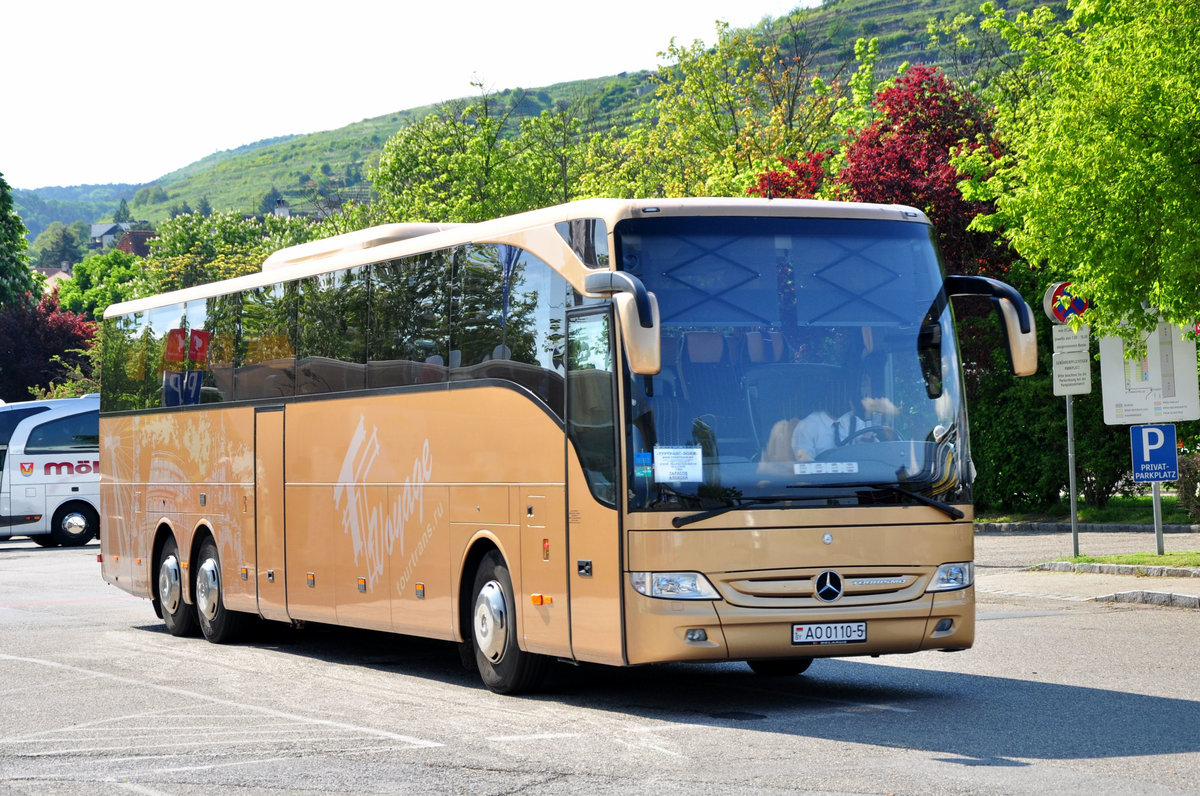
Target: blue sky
(128, 90)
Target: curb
(1151, 598)
(1084, 527)
(1118, 569)
(1142, 597)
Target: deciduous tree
(905, 157)
(721, 115)
(16, 280)
(193, 249)
(56, 245)
(32, 335)
(103, 279)
(1098, 183)
(455, 165)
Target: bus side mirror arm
(637, 314)
(1016, 317)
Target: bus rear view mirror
(637, 315)
(1016, 318)
(1022, 345)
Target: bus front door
(593, 526)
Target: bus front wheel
(218, 624)
(178, 616)
(503, 665)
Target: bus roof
(49, 402)
(391, 241)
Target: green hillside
(336, 163)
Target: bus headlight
(950, 577)
(673, 585)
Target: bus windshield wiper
(741, 503)
(950, 511)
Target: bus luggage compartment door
(268, 513)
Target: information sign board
(1072, 360)
(1160, 387)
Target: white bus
(50, 470)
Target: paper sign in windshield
(826, 468)
(672, 465)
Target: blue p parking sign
(1154, 454)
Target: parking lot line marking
(541, 736)
(265, 711)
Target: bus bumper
(661, 630)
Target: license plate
(829, 633)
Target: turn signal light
(541, 599)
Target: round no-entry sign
(1060, 304)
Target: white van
(50, 470)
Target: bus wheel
(787, 667)
(74, 525)
(218, 624)
(178, 616)
(503, 665)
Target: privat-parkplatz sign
(1155, 457)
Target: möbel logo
(81, 467)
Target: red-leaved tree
(799, 178)
(904, 157)
(32, 334)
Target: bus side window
(79, 432)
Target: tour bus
(565, 434)
(50, 470)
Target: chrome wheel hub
(75, 524)
(208, 589)
(170, 590)
(491, 621)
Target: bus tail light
(950, 577)
(673, 585)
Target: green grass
(1187, 558)
(1123, 510)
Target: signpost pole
(1072, 374)
(1071, 465)
(1158, 531)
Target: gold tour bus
(615, 431)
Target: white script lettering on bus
(374, 529)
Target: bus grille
(797, 588)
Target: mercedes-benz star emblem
(829, 586)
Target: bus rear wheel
(218, 624)
(503, 665)
(177, 615)
(780, 667)
(74, 525)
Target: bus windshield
(806, 361)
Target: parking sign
(1154, 454)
